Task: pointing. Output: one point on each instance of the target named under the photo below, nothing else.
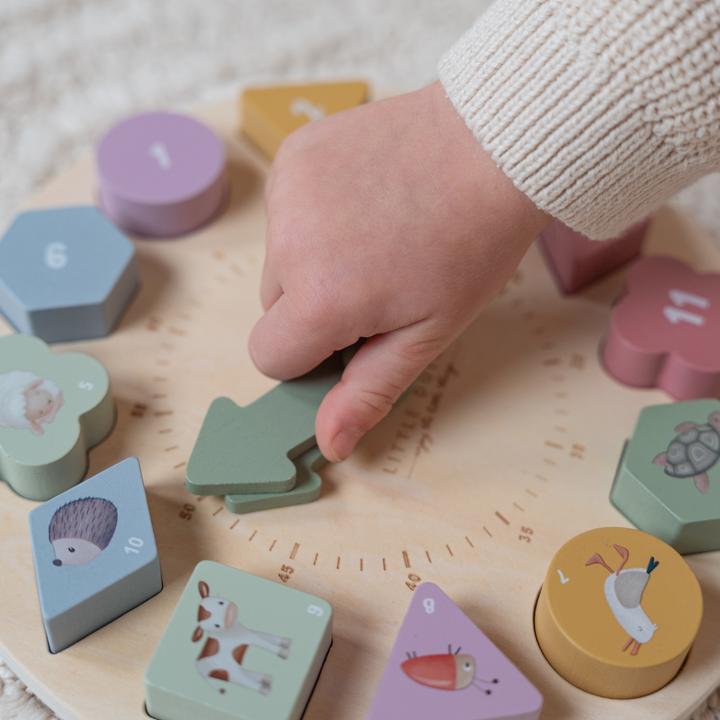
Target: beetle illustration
(449, 671)
(80, 530)
(623, 591)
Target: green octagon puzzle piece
(307, 488)
(53, 409)
(668, 479)
(250, 450)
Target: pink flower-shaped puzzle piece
(665, 330)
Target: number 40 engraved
(675, 314)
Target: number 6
(56, 256)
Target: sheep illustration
(80, 530)
(27, 400)
(623, 591)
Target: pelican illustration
(623, 591)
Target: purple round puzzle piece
(161, 174)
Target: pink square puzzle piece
(576, 261)
(665, 330)
(442, 666)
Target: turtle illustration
(693, 452)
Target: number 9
(315, 610)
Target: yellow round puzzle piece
(618, 612)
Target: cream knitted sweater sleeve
(598, 110)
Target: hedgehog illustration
(80, 530)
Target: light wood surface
(505, 450)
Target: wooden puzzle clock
(177, 547)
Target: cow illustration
(222, 655)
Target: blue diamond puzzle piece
(95, 554)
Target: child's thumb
(375, 378)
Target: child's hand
(390, 222)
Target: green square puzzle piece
(668, 479)
(238, 647)
(307, 488)
(250, 450)
(53, 409)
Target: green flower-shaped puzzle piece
(53, 409)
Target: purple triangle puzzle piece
(442, 666)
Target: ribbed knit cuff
(598, 111)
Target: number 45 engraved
(675, 314)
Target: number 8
(429, 605)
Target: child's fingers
(286, 343)
(270, 288)
(379, 373)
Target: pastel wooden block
(95, 554)
(66, 274)
(307, 488)
(250, 450)
(665, 330)
(443, 666)
(53, 409)
(270, 114)
(618, 612)
(238, 647)
(161, 174)
(668, 479)
(577, 261)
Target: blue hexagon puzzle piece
(668, 479)
(95, 554)
(66, 274)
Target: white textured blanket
(69, 68)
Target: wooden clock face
(505, 449)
